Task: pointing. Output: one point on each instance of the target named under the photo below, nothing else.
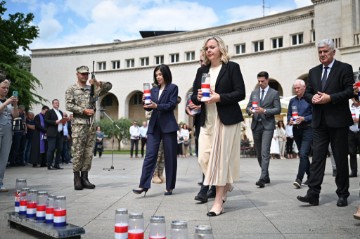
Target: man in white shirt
(134, 137)
(143, 137)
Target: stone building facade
(283, 44)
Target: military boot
(85, 181)
(77, 181)
(156, 178)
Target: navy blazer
(50, 122)
(164, 116)
(339, 85)
(231, 88)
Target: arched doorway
(110, 104)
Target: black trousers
(354, 144)
(322, 137)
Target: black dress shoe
(267, 180)
(50, 168)
(342, 202)
(260, 183)
(58, 167)
(168, 192)
(202, 195)
(311, 200)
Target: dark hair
(263, 74)
(165, 71)
(52, 102)
(278, 124)
(45, 107)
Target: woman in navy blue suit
(162, 126)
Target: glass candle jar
(60, 211)
(147, 94)
(41, 205)
(121, 223)
(136, 226)
(20, 183)
(203, 232)
(23, 200)
(157, 227)
(179, 230)
(31, 203)
(49, 211)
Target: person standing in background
(99, 143)
(8, 110)
(55, 135)
(354, 137)
(39, 143)
(134, 138)
(30, 129)
(143, 136)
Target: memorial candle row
(39, 205)
(131, 226)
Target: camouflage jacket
(77, 100)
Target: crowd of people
(318, 117)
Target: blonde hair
(222, 47)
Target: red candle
(136, 234)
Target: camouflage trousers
(160, 163)
(83, 144)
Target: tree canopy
(17, 32)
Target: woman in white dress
(220, 120)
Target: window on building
(258, 46)
(174, 58)
(102, 65)
(144, 61)
(159, 60)
(115, 65)
(137, 98)
(297, 39)
(190, 56)
(277, 42)
(130, 63)
(240, 49)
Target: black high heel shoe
(140, 191)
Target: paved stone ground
(272, 212)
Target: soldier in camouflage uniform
(83, 131)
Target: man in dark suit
(263, 122)
(54, 133)
(329, 88)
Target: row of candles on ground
(131, 226)
(39, 205)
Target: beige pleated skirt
(219, 150)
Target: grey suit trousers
(262, 142)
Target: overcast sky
(65, 23)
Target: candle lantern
(203, 232)
(20, 183)
(49, 211)
(136, 226)
(157, 227)
(31, 203)
(147, 93)
(60, 211)
(41, 205)
(23, 200)
(179, 230)
(205, 87)
(121, 223)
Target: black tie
(324, 78)
(262, 96)
(3, 100)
